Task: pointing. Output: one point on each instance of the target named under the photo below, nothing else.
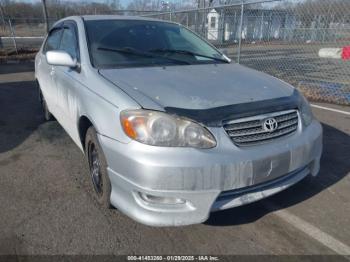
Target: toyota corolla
(171, 128)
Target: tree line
(56, 9)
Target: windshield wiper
(132, 51)
(186, 52)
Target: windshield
(137, 43)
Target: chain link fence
(20, 35)
(282, 39)
(286, 39)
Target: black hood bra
(215, 117)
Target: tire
(98, 168)
(47, 115)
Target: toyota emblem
(270, 124)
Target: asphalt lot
(298, 63)
(46, 206)
(321, 79)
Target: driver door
(46, 72)
(68, 81)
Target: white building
(223, 24)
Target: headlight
(160, 129)
(305, 111)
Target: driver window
(53, 40)
(69, 42)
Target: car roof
(119, 17)
(109, 17)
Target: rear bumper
(202, 181)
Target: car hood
(196, 86)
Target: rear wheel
(98, 168)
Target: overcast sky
(122, 2)
(95, 1)
(35, 1)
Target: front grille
(251, 130)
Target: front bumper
(206, 180)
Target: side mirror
(60, 58)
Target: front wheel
(47, 115)
(98, 168)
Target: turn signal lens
(128, 128)
(305, 111)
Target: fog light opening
(161, 200)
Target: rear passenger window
(53, 40)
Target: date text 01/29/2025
(173, 258)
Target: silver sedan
(172, 130)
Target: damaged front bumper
(180, 186)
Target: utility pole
(46, 20)
(240, 33)
(2, 17)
